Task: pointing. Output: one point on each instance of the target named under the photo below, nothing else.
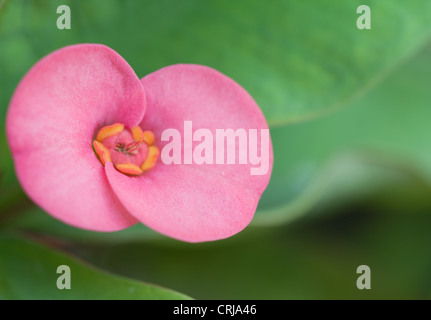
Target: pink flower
(86, 139)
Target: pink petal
(75, 192)
(53, 117)
(194, 202)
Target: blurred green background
(349, 113)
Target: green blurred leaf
(28, 271)
(16, 57)
(380, 140)
(297, 58)
(311, 259)
(35, 220)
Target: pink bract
(68, 96)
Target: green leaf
(311, 259)
(28, 271)
(34, 220)
(296, 58)
(379, 141)
(16, 57)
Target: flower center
(132, 152)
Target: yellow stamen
(128, 148)
(152, 156)
(109, 131)
(129, 168)
(148, 137)
(137, 134)
(102, 152)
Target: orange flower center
(132, 152)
